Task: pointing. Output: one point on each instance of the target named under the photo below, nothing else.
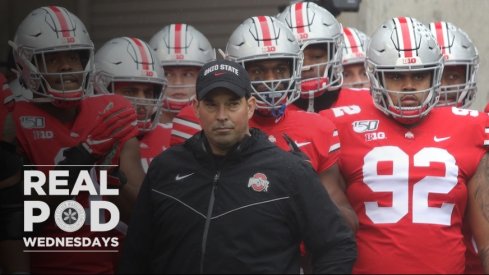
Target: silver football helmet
(354, 53)
(50, 30)
(457, 50)
(355, 46)
(265, 38)
(181, 45)
(313, 25)
(126, 60)
(403, 44)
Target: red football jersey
(350, 96)
(153, 143)
(43, 138)
(185, 125)
(315, 135)
(408, 186)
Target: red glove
(111, 125)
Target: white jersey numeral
(349, 110)
(397, 184)
(464, 112)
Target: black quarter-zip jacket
(246, 213)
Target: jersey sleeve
(327, 144)
(486, 131)
(185, 125)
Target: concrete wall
(218, 18)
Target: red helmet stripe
(299, 20)
(351, 43)
(178, 38)
(265, 30)
(406, 37)
(142, 51)
(440, 37)
(63, 23)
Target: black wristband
(77, 155)
(10, 162)
(75, 160)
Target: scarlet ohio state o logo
(259, 182)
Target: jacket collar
(200, 145)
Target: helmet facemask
(404, 65)
(180, 90)
(148, 110)
(62, 92)
(272, 96)
(320, 77)
(53, 34)
(391, 101)
(461, 58)
(460, 95)
(174, 104)
(264, 38)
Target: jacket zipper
(208, 219)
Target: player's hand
(112, 124)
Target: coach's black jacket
(244, 214)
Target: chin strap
(279, 112)
(310, 106)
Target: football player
(182, 50)
(321, 39)
(412, 179)
(353, 59)
(129, 67)
(459, 88)
(459, 80)
(62, 127)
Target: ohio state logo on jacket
(259, 182)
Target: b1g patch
(32, 122)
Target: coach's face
(224, 118)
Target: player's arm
(478, 209)
(131, 169)
(335, 185)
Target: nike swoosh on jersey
(437, 139)
(178, 177)
(300, 144)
